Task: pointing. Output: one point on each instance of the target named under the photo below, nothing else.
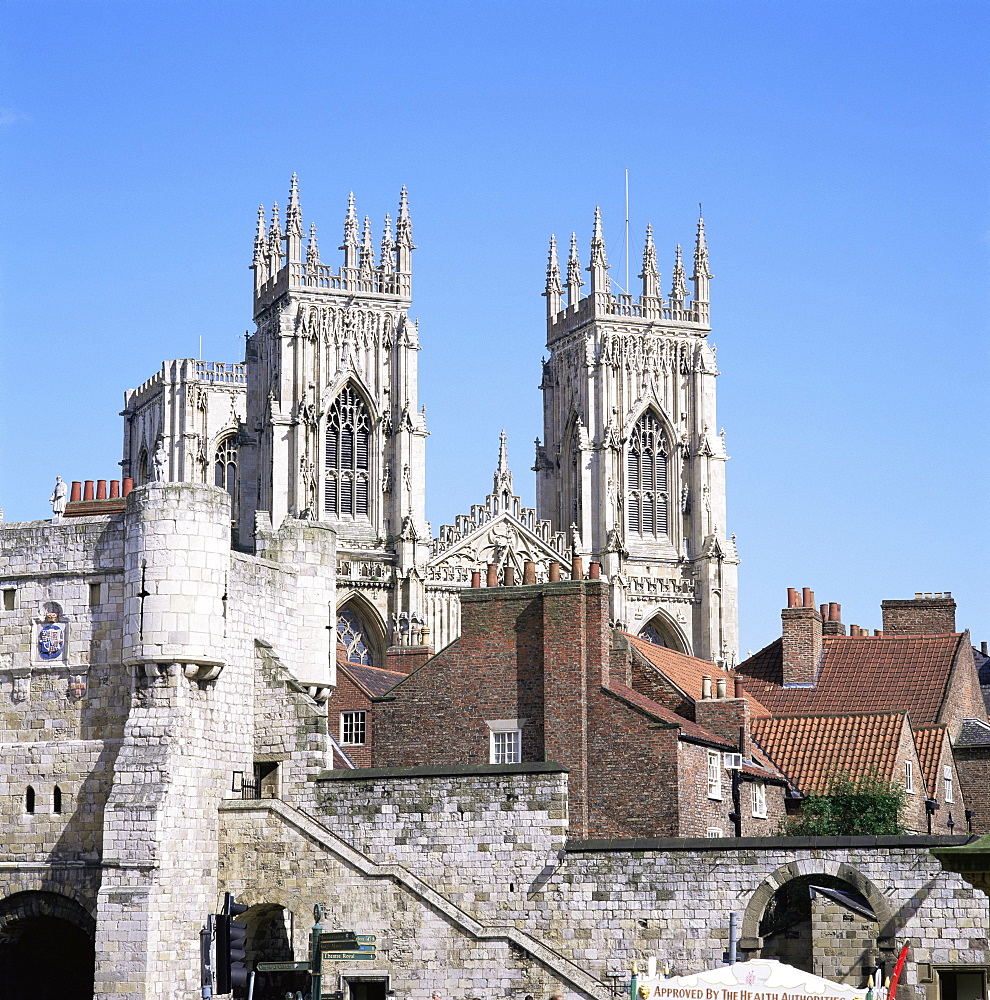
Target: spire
(293, 214)
(350, 244)
(701, 274)
(574, 281)
(404, 246)
(502, 482)
(274, 249)
(387, 254)
(678, 284)
(259, 239)
(367, 250)
(312, 248)
(403, 224)
(553, 291)
(599, 265)
(293, 224)
(650, 273)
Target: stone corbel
(202, 671)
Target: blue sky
(840, 150)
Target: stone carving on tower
(333, 429)
(630, 462)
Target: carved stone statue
(159, 460)
(58, 497)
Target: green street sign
(349, 956)
(282, 967)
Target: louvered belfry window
(646, 478)
(348, 456)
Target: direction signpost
(282, 967)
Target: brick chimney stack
(801, 639)
(832, 619)
(927, 614)
(725, 716)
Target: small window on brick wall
(353, 728)
(713, 831)
(94, 595)
(947, 779)
(506, 746)
(759, 799)
(29, 800)
(909, 777)
(57, 800)
(714, 774)
(9, 599)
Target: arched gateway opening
(832, 922)
(46, 948)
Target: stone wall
(491, 841)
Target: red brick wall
(964, 698)
(348, 697)
(973, 769)
(753, 826)
(632, 786)
(921, 616)
(493, 671)
(697, 811)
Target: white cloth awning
(759, 979)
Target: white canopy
(759, 979)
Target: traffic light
(232, 971)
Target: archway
(823, 917)
(34, 927)
(269, 939)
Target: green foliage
(865, 806)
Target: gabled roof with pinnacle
(499, 531)
(860, 674)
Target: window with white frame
(714, 774)
(947, 778)
(506, 746)
(909, 777)
(759, 791)
(713, 831)
(353, 728)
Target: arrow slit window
(348, 457)
(646, 478)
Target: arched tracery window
(348, 458)
(646, 478)
(225, 465)
(353, 636)
(142, 469)
(653, 632)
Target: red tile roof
(687, 671)
(811, 749)
(860, 674)
(929, 744)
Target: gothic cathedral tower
(333, 430)
(632, 463)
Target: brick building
(904, 703)
(645, 732)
